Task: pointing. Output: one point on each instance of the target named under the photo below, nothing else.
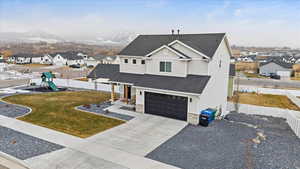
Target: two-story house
(174, 76)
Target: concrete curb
(76, 108)
(14, 160)
(30, 110)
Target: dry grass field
(266, 100)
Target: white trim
(168, 91)
(185, 45)
(162, 47)
(227, 45)
(130, 56)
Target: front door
(127, 91)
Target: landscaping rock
(23, 146)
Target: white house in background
(26, 58)
(102, 59)
(111, 60)
(175, 76)
(42, 59)
(67, 58)
(3, 65)
(283, 69)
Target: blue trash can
(207, 116)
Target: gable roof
(69, 55)
(278, 62)
(190, 84)
(144, 44)
(104, 71)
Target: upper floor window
(125, 60)
(143, 62)
(165, 66)
(134, 61)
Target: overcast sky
(253, 22)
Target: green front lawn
(56, 111)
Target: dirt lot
(61, 71)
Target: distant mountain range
(40, 36)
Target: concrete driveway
(140, 135)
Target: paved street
(268, 83)
(13, 83)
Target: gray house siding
(272, 68)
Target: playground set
(47, 81)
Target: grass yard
(253, 75)
(56, 111)
(36, 65)
(266, 100)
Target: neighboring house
(67, 58)
(175, 76)
(94, 60)
(102, 59)
(111, 60)
(23, 58)
(3, 65)
(284, 70)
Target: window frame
(125, 60)
(165, 66)
(143, 62)
(134, 61)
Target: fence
(79, 84)
(244, 88)
(292, 117)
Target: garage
(166, 105)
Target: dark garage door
(166, 105)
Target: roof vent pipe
(172, 31)
(178, 31)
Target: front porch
(127, 95)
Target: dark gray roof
(70, 55)
(99, 57)
(190, 84)
(144, 44)
(232, 70)
(104, 71)
(278, 62)
(27, 55)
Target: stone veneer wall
(193, 118)
(139, 108)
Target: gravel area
(99, 109)
(23, 146)
(240, 141)
(11, 110)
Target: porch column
(112, 92)
(126, 94)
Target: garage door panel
(166, 105)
